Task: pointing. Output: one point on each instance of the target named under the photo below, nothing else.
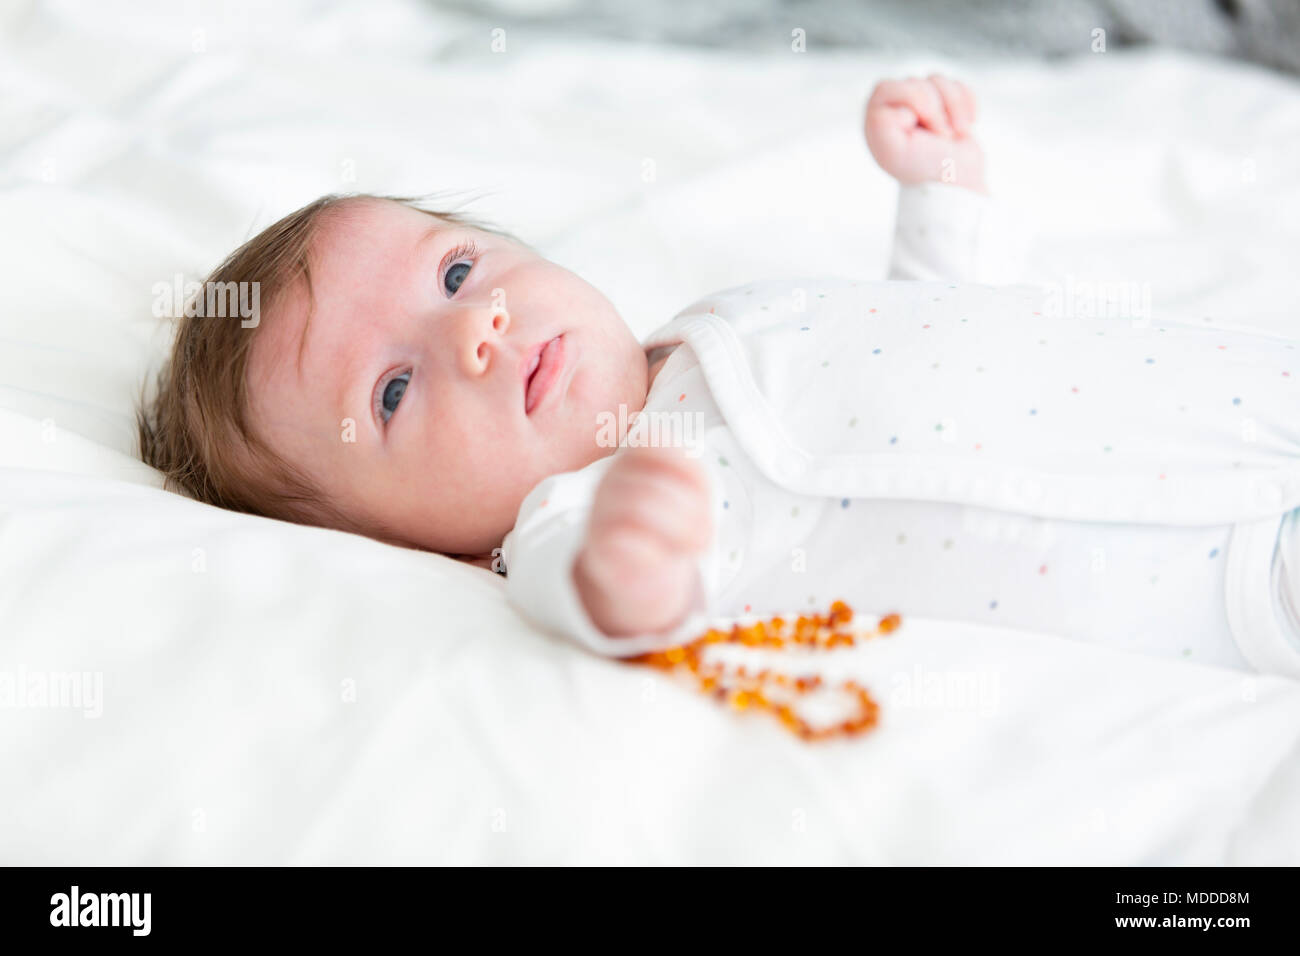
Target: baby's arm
(947, 227)
(617, 556)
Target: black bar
(238, 905)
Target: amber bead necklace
(772, 690)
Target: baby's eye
(455, 276)
(462, 260)
(392, 394)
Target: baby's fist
(920, 131)
(649, 519)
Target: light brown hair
(195, 427)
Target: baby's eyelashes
(457, 266)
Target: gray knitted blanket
(1265, 31)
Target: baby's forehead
(343, 228)
(364, 248)
(359, 259)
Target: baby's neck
(655, 366)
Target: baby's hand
(649, 519)
(920, 131)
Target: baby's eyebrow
(437, 229)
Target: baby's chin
(455, 546)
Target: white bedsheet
(279, 694)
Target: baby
(945, 447)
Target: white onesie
(958, 450)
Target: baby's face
(406, 340)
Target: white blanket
(269, 693)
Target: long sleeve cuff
(949, 233)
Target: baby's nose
(500, 320)
(488, 337)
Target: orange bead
(744, 690)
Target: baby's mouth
(546, 365)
